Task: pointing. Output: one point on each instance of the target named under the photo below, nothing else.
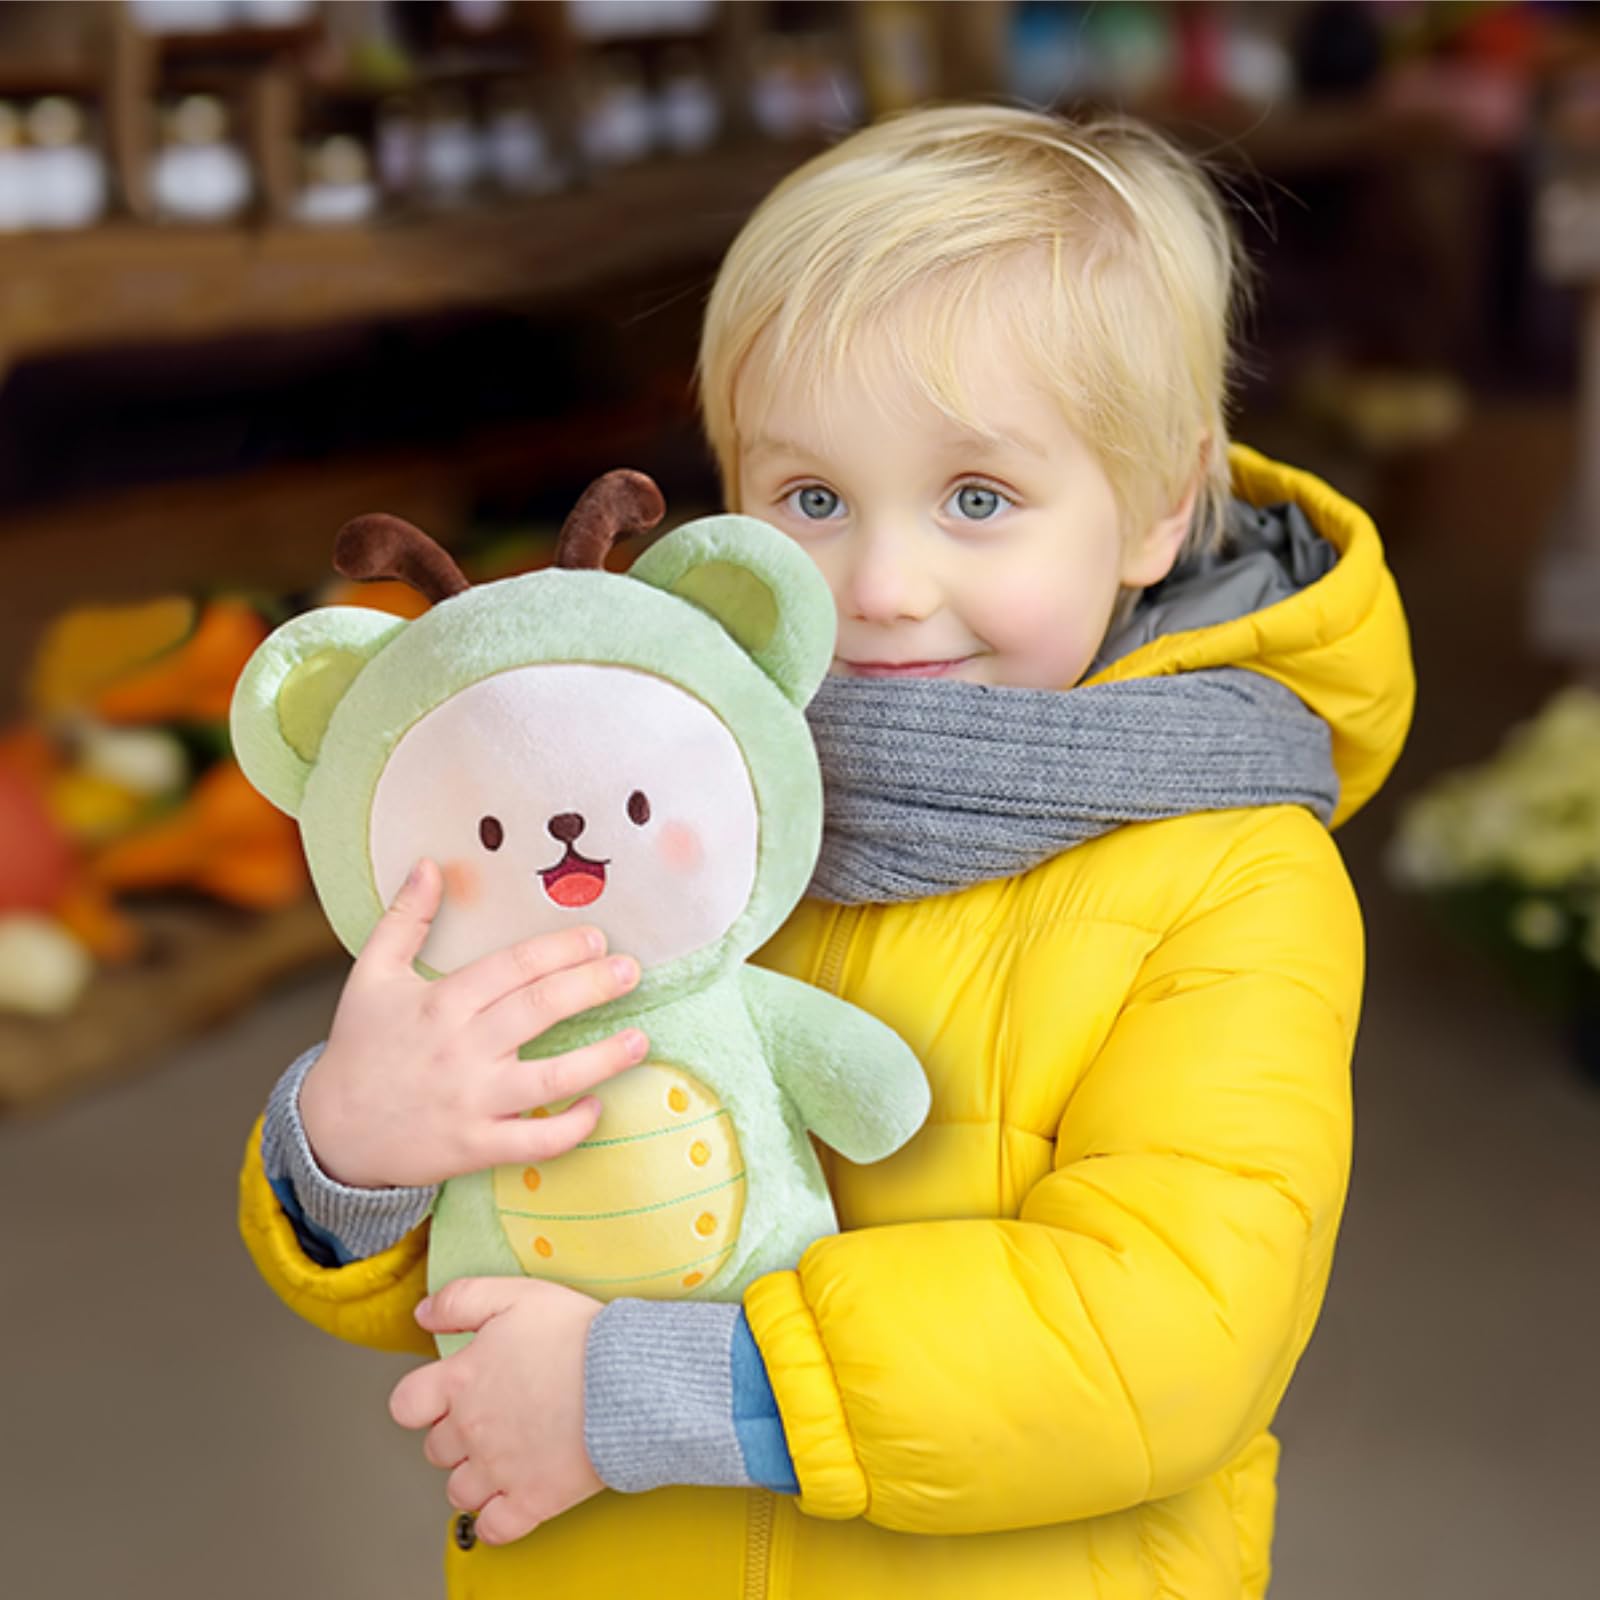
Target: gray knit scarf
(933, 784)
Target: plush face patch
(559, 794)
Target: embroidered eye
(491, 833)
(638, 807)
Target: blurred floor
(167, 1423)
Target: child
(974, 360)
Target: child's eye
(491, 833)
(976, 503)
(815, 503)
(639, 807)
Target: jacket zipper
(758, 1545)
(830, 970)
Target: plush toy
(628, 750)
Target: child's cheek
(680, 847)
(461, 883)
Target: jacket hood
(1299, 593)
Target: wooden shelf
(134, 283)
(202, 964)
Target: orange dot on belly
(543, 1246)
(693, 1279)
(530, 1176)
(678, 1099)
(699, 1152)
(705, 1223)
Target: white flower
(1531, 814)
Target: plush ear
(762, 588)
(288, 691)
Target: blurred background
(267, 264)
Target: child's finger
(521, 1140)
(469, 1487)
(542, 1083)
(403, 929)
(445, 1447)
(502, 1521)
(466, 1304)
(419, 1400)
(476, 986)
(525, 1013)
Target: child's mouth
(905, 669)
(574, 880)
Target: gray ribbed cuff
(364, 1221)
(658, 1395)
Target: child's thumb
(403, 929)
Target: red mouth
(574, 880)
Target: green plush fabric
(700, 1176)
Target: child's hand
(420, 1080)
(505, 1414)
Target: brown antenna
(381, 546)
(614, 506)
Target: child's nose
(890, 581)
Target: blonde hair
(1132, 333)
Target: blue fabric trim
(321, 1246)
(755, 1416)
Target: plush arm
(854, 1080)
(1136, 1325)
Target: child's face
(949, 554)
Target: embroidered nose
(566, 827)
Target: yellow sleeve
(367, 1302)
(1136, 1325)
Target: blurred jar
(687, 111)
(480, 16)
(212, 16)
(450, 158)
(273, 13)
(339, 186)
(66, 174)
(398, 147)
(518, 154)
(619, 121)
(621, 19)
(830, 94)
(198, 175)
(777, 95)
(181, 16)
(13, 171)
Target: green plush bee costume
(629, 751)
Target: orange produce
(94, 646)
(192, 682)
(225, 840)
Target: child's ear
(289, 688)
(762, 588)
(1149, 556)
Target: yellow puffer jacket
(1042, 1356)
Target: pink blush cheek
(461, 883)
(680, 847)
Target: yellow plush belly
(648, 1206)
